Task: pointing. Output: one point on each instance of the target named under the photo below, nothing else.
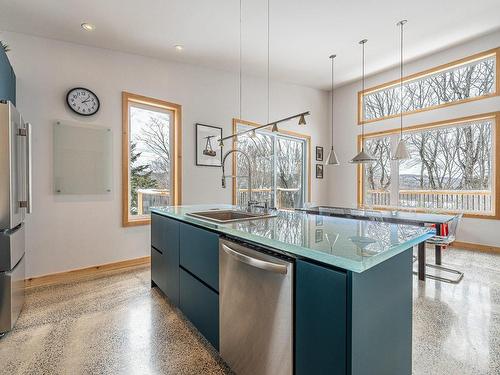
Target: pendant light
(401, 152)
(252, 133)
(363, 157)
(332, 156)
(302, 120)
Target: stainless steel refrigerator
(15, 203)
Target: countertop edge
(300, 252)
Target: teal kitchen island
(333, 295)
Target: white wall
(71, 232)
(343, 178)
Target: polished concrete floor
(117, 324)
(456, 328)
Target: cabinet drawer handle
(254, 262)
(158, 251)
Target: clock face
(82, 101)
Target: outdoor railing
(147, 198)
(285, 198)
(378, 198)
(473, 201)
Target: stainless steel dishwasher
(256, 310)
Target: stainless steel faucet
(250, 202)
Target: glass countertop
(415, 218)
(354, 245)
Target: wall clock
(82, 101)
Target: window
(151, 156)
(453, 168)
(280, 167)
(472, 78)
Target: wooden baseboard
(476, 247)
(81, 273)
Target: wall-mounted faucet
(247, 158)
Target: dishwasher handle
(254, 262)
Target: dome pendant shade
(332, 158)
(363, 158)
(401, 152)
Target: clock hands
(86, 100)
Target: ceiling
(303, 33)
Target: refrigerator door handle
(26, 133)
(29, 201)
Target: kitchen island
(351, 299)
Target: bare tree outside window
(155, 137)
(451, 169)
(457, 158)
(150, 159)
(471, 80)
(260, 149)
(278, 164)
(378, 174)
(289, 172)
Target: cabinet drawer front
(200, 304)
(199, 254)
(165, 256)
(165, 273)
(158, 270)
(164, 233)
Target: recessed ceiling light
(179, 47)
(88, 26)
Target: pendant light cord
(401, 23)
(241, 60)
(268, 63)
(332, 57)
(362, 94)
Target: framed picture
(319, 170)
(318, 235)
(208, 152)
(319, 153)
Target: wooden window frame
(496, 154)
(305, 137)
(176, 191)
(469, 59)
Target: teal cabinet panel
(165, 256)
(164, 232)
(200, 304)
(382, 318)
(199, 254)
(320, 320)
(158, 269)
(7, 79)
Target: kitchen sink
(229, 216)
